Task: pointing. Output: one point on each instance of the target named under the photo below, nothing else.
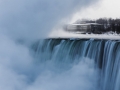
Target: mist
(25, 20)
(33, 19)
(21, 71)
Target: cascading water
(78, 64)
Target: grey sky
(105, 8)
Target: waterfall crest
(66, 54)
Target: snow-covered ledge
(63, 34)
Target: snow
(72, 35)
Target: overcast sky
(104, 8)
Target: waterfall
(89, 64)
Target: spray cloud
(29, 19)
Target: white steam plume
(30, 19)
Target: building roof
(86, 24)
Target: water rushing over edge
(79, 64)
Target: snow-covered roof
(86, 24)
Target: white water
(20, 71)
(30, 20)
(84, 64)
(58, 72)
(69, 65)
(78, 77)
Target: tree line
(108, 23)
